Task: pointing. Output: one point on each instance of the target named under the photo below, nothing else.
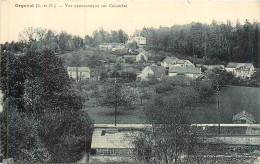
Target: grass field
(105, 115)
(233, 99)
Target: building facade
(242, 70)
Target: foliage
(115, 94)
(171, 135)
(215, 43)
(102, 36)
(132, 45)
(40, 103)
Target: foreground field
(233, 99)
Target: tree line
(216, 42)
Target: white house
(192, 72)
(184, 63)
(81, 73)
(169, 61)
(142, 55)
(151, 71)
(173, 61)
(139, 39)
(242, 70)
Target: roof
(170, 60)
(157, 70)
(184, 70)
(129, 56)
(80, 69)
(237, 65)
(216, 67)
(244, 113)
(181, 61)
(112, 140)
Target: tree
(41, 107)
(132, 45)
(171, 135)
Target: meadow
(233, 99)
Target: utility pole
(115, 102)
(218, 108)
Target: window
(243, 121)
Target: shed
(244, 117)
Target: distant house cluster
(142, 56)
(140, 40)
(170, 66)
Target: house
(242, 70)
(244, 117)
(151, 71)
(169, 61)
(142, 55)
(184, 63)
(139, 39)
(192, 72)
(79, 73)
(106, 47)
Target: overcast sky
(82, 21)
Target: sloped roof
(80, 69)
(111, 140)
(181, 61)
(237, 65)
(184, 70)
(157, 70)
(244, 113)
(170, 60)
(129, 56)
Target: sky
(138, 14)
